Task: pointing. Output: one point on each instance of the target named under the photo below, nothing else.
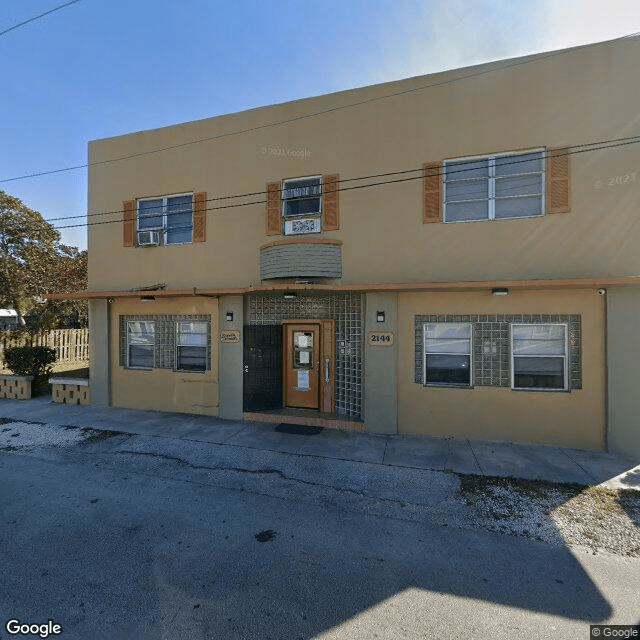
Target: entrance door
(301, 365)
(309, 364)
(262, 379)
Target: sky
(100, 68)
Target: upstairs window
(169, 220)
(302, 205)
(494, 187)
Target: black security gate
(262, 367)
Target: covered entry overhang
(231, 366)
(160, 291)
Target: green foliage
(27, 246)
(68, 272)
(30, 361)
(33, 263)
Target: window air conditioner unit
(148, 238)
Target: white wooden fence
(71, 345)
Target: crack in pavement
(387, 508)
(261, 471)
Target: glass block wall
(492, 347)
(346, 310)
(165, 338)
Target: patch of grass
(605, 501)
(600, 501)
(470, 484)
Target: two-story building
(453, 254)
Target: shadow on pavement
(98, 549)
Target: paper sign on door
(303, 380)
(304, 357)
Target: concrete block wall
(70, 391)
(15, 387)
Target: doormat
(298, 429)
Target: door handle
(327, 368)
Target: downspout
(109, 353)
(603, 294)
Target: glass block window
(447, 354)
(494, 187)
(191, 346)
(539, 356)
(140, 344)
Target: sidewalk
(457, 455)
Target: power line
(376, 175)
(314, 114)
(46, 13)
(597, 146)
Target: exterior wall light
(500, 291)
(229, 316)
(380, 316)
(291, 295)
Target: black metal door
(262, 367)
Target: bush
(30, 361)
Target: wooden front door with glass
(308, 365)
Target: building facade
(453, 254)
(8, 320)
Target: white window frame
(128, 358)
(565, 356)
(164, 228)
(491, 198)
(316, 216)
(458, 385)
(207, 366)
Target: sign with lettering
(231, 336)
(380, 338)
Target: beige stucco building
(453, 254)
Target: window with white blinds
(494, 187)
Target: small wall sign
(380, 338)
(231, 336)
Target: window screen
(191, 346)
(302, 196)
(172, 216)
(494, 187)
(140, 344)
(539, 356)
(447, 353)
